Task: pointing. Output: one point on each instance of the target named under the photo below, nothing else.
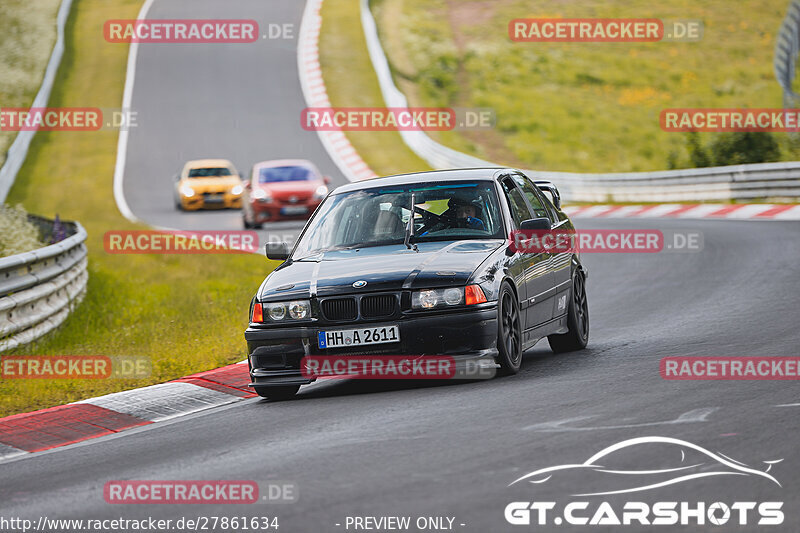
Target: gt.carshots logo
(695, 462)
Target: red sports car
(282, 189)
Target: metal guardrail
(739, 182)
(38, 289)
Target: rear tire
(509, 331)
(277, 394)
(577, 320)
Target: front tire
(577, 320)
(277, 394)
(509, 331)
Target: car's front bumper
(466, 336)
(200, 201)
(277, 210)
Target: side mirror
(277, 251)
(556, 199)
(326, 179)
(536, 224)
(176, 177)
(548, 187)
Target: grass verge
(28, 31)
(351, 82)
(581, 107)
(187, 313)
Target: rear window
(209, 172)
(276, 174)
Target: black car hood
(383, 268)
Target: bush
(727, 149)
(744, 147)
(17, 234)
(698, 155)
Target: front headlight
(321, 192)
(187, 191)
(295, 310)
(237, 190)
(450, 297)
(432, 298)
(261, 195)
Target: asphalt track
(419, 449)
(234, 101)
(357, 448)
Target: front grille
(340, 309)
(295, 199)
(378, 306)
(213, 197)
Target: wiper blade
(410, 225)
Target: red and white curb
(691, 211)
(96, 417)
(335, 142)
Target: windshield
(209, 172)
(377, 217)
(275, 174)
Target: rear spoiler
(552, 189)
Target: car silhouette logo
(360, 283)
(635, 480)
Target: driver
(464, 213)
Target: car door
(546, 297)
(536, 273)
(561, 262)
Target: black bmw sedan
(419, 265)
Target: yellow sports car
(208, 184)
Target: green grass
(17, 233)
(27, 36)
(351, 82)
(581, 107)
(187, 313)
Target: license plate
(294, 210)
(214, 198)
(358, 337)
